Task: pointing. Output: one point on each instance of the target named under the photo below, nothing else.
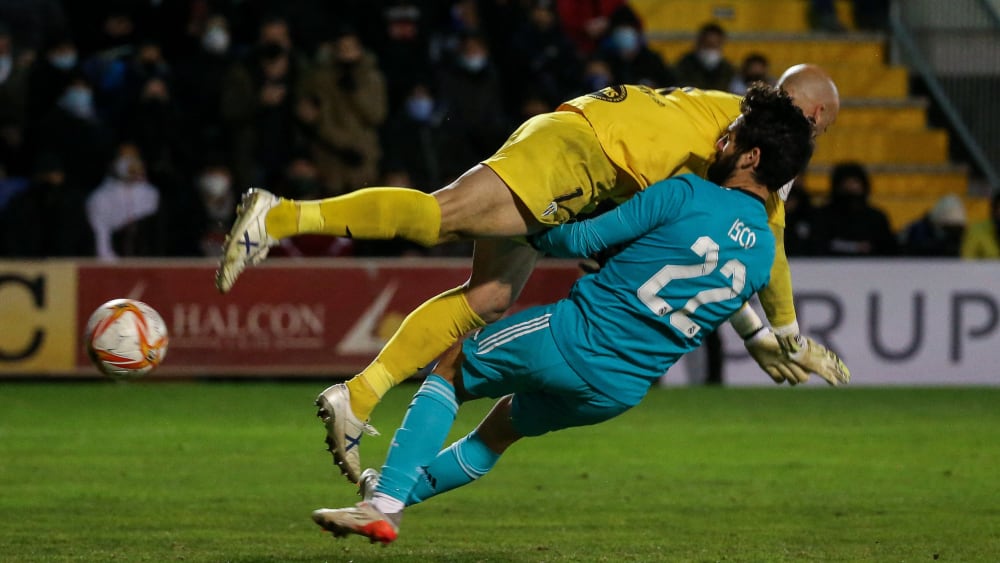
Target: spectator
(257, 105)
(160, 130)
(124, 210)
(632, 61)
(587, 23)
(542, 55)
(199, 84)
(470, 95)
(848, 225)
(217, 200)
(705, 67)
(404, 54)
(13, 98)
(49, 75)
(412, 139)
(982, 239)
(339, 111)
(51, 199)
(120, 73)
(72, 133)
(755, 68)
(799, 218)
(939, 232)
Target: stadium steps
(879, 125)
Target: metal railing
(955, 49)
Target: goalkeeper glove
(811, 355)
(764, 348)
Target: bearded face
(723, 167)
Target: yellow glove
(811, 355)
(766, 351)
(764, 348)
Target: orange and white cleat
(362, 519)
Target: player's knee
(490, 301)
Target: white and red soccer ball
(126, 338)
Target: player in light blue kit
(696, 252)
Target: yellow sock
(371, 213)
(425, 334)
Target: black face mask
(853, 201)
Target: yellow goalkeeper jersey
(655, 134)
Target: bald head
(814, 92)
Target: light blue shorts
(518, 355)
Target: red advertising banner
(287, 317)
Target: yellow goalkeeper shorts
(555, 165)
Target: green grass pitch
(199, 471)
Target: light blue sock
(462, 463)
(424, 430)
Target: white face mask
(710, 58)
(214, 185)
(474, 63)
(64, 61)
(215, 40)
(121, 167)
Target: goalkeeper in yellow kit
(605, 145)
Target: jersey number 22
(680, 318)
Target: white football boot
(368, 483)
(343, 429)
(362, 519)
(247, 242)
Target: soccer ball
(126, 338)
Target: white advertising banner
(894, 322)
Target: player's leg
(469, 458)
(499, 271)
(519, 356)
(478, 203)
(423, 431)
(553, 165)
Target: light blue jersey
(696, 253)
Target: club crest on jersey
(615, 93)
(742, 234)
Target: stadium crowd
(130, 127)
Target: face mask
(474, 63)
(710, 58)
(420, 109)
(214, 185)
(121, 167)
(215, 40)
(64, 61)
(625, 39)
(79, 102)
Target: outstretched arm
(642, 213)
